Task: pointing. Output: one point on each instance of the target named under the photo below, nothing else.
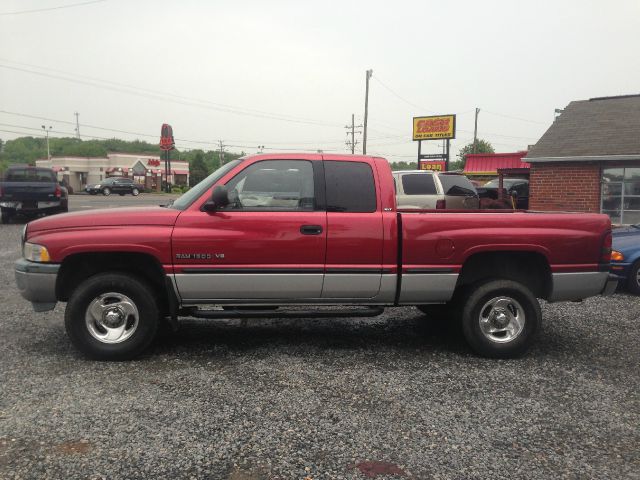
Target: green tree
(404, 165)
(482, 146)
(197, 169)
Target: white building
(147, 170)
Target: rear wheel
(633, 281)
(106, 192)
(500, 319)
(135, 192)
(112, 316)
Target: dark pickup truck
(31, 191)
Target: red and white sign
(153, 162)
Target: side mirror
(219, 199)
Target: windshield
(506, 183)
(184, 201)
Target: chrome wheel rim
(112, 318)
(135, 192)
(106, 191)
(638, 278)
(502, 319)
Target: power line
(60, 7)
(164, 96)
(202, 142)
(515, 118)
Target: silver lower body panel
(577, 285)
(427, 288)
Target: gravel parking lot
(390, 397)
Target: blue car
(625, 257)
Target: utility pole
(352, 144)
(366, 113)
(77, 125)
(46, 131)
(221, 154)
(475, 132)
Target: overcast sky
(289, 74)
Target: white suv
(423, 189)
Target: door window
(273, 185)
(350, 187)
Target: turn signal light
(616, 256)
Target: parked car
(118, 185)
(423, 189)
(291, 230)
(625, 257)
(31, 191)
(518, 188)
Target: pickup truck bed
(297, 229)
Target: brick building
(589, 160)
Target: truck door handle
(311, 229)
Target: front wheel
(106, 192)
(135, 192)
(633, 281)
(500, 319)
(112, 316)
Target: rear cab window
(30, 175)
(350, 187)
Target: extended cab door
(269, 243)
(354, 231)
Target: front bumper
(34, 206)
(37, 283)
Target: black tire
(121, 194)
(633, 281)
(476, 306)
(8, 215)
(106, 191)
(141, 297)
(135, 192)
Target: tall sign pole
(366, 113)
(167, 144)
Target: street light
(46, 131)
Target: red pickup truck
(270, 231)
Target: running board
(220, 314)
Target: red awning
(56, 169)
(489, 163)
(109, 170)
(180, 172)
(125, 170)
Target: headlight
(35, 253)
(616, 256)
(97, 186)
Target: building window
(621, 194)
